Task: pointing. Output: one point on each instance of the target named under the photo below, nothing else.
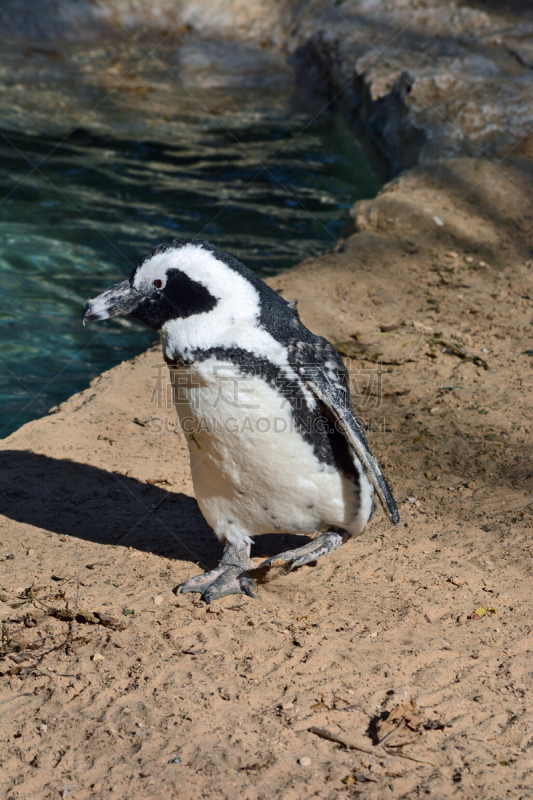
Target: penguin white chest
(253, 471)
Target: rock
(305, 761)
(85, 20)
(97, 657)
(437, 91)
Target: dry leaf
(414, 724)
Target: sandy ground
(112, 687)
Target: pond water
(103, 155)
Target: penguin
(265, 407)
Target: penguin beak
(117, 301)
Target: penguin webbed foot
(323, 544)
(229, 577)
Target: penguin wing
(326, 377)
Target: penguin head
(176, 281)
(199, 298)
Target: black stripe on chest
(315, 425)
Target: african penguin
(264, 405)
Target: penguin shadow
(67, 498)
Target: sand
(113, 687)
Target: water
(84, 195)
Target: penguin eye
(157, 283)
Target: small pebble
(287, 706)
(175, 760)
(98, 657)
(158, 599)
(305, 762)
(411, 500)
(469, 259)
(62, 538)
(31, 552)
(451, 254)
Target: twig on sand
(333, 737)
(383, 742)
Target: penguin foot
(323, 544)
(230, 577)
(218, 583)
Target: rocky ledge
(425, 80)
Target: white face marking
(150, 276)
(231, 323)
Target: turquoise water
(77, 213)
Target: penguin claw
(219, 583)
(200, 583)
(231, 581)
(312, 551)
